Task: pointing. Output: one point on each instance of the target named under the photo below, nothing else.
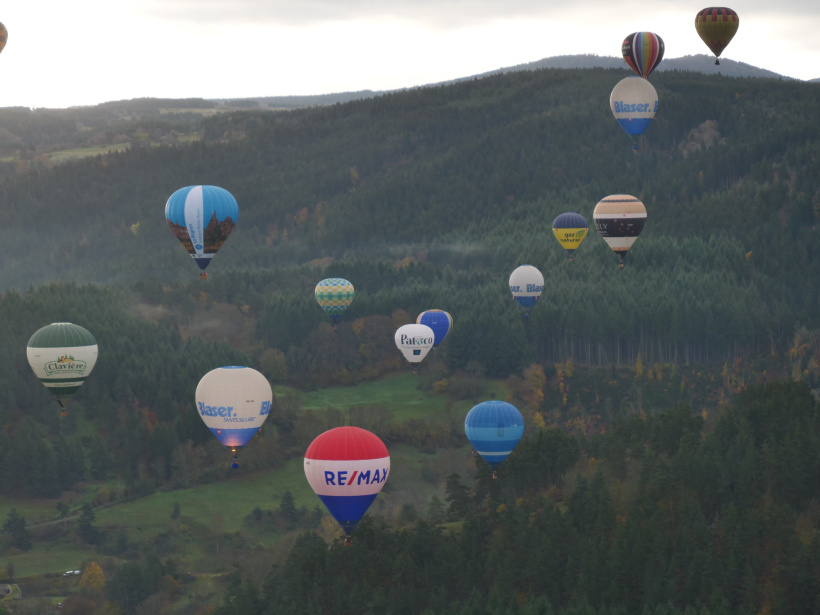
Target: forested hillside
(667, 462)
(464, 181)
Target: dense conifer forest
(668, 463)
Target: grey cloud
(440, 13)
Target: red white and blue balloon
(347, 468)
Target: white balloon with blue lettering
(634, 102)
(526, 285)
(347, 468)
(233, 402)
(415, 341)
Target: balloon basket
(348, 541)
(203, 275)
(495, 475)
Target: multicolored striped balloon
(494, 428)
(334, 295)
(347, 468)
(643, 51)
(716, 26)
(62, 356)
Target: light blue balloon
(494, 428)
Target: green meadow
(398, 393)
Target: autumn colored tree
(92, 583)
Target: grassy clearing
(49, 558)
(398, 393)
(85, 152)
(221, 506)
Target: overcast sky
(84, 52)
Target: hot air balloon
(202, 218)
(62, 355)
(620, 219)
(334, 295)
(643, 51)
(526, 285)
(414, 341)
(439, 321)
(716, 26)
(4, 36)
(570, 229)
(233, 402)
(634, 103)
(494, 428)
(347, 467)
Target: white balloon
(526, 285)
(233, 402)
(414, 341)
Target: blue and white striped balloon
(494, 428)
(202, 218)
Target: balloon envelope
(716, 26)
(570, 229)
(526, 285)
(414, 341)
(233, 402)
(347, 468)
(620, 218)
(494, 428)
(643, 51)
(634, 103)
(4, 36)
(334, 295)
(439, 321)
(62, 355)
(202, 218)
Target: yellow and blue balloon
(334, 296)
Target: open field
(397, 393)
(85, 152)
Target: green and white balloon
(62, 355)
